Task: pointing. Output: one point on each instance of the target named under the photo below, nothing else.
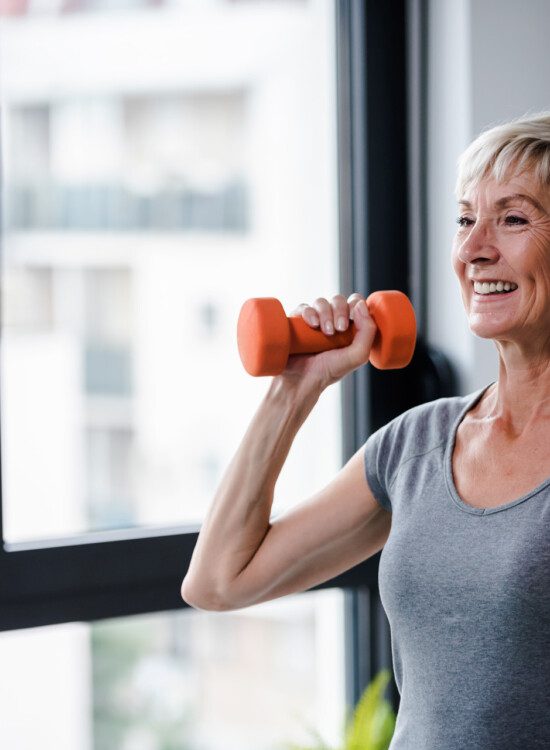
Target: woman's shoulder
(441, 410)
(428, 425)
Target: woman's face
(503, 238)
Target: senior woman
(455, 491)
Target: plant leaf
(372, 724)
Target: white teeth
(490, 287)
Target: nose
(478, 245)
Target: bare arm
(337, 528)
(242, 558)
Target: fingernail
(341, 324)
(329, 328)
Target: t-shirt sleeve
(377, 460)
(415, 432)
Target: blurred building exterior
(154, 179)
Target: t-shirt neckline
(449, 480)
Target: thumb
(359, 350)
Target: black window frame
(120, 573)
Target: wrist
(294, 392)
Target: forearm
(238, 519)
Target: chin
(486, 329)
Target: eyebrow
(507, 199)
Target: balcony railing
(116, 208)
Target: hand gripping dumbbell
(266, 337)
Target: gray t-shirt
(466, 591)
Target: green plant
(371, 725)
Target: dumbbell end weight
(263, 336)
(393, 313)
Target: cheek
(532, 257)
(541, 243)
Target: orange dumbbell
(266, 337)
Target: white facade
(122, 387)
(233, 92)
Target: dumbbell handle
(307, 340)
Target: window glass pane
(254, 679)
(162, 163)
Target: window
(150, 210)
(178, 679)
(184, 161)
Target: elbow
(201, 598)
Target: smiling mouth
(494, 288)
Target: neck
(521, 396)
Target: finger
(353, 299)
(307, 313)
(298, 310)
(340, 313)
(326, 315)
(358, 351)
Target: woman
(456, 491)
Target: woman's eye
(464, 221)
(515, 220)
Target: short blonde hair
(509, 148)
